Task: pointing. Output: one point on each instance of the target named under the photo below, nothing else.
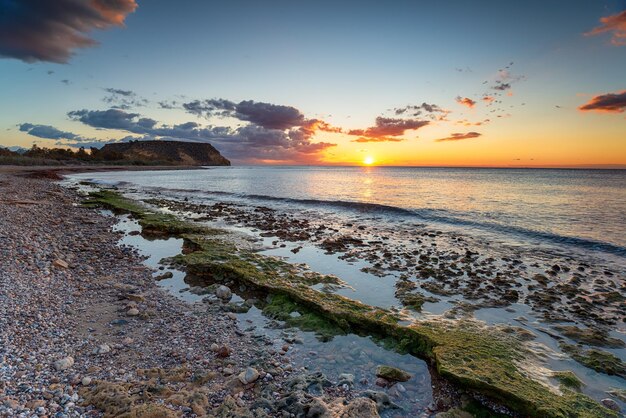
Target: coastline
(335, 401)
(87, 331)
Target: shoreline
(336, 400)
(86, 329)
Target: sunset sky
(482, 83)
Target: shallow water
(578, 208)
(353, 354)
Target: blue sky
(342, 63)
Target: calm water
(585, 209)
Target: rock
(382, 400)
(223, 292)
(135, 297)
(102, 349)
(132, 312)
(223, 351)
(383, 383)
(227, 371)
(392, 374)
(361, 408)
(164, 276)
(60, 263)
(611, 404)
(318, 409)
(250, 375)
(64, 363)
(346, 379)
(86, 381)
(454, 413)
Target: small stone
(86, 381)
(223, 292)
(127, 341)
(60, 263)
(223, 351)
(227, 371)
(64, 363)
(102, 349)
(132, 312)
(250, 375)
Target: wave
(426, 215)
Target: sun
(369, 160)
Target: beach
(86, 331)
(119, 298)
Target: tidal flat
(475, 344)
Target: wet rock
(392, 374)
(454, 413)
(223, 292)
(361, 408)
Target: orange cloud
(459, 136)
(465, 101)
(610, 102)
(616, 24)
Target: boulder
(223, 292)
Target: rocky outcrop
(163, 152)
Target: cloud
(610, 102)
(616, 24)
(465, 101)
(267, 115)
(210, 107)
(459, 136)
(46, 131)
(501, 86)
(45, 30)
(378, 139)
(417, 110)
(123, 99)
(488, 99)
(387, 127)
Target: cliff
(163, 152)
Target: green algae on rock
(392, 374)
(568, 379)
(479, 358)
(598, 360)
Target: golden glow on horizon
(369, 160)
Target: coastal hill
(171, 152)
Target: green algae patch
(479, 358)
(598, 360)
(568, 379)
(284, 309)
(589, 336)
(152, 223)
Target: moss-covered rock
(568, 379)
(598, 360)
(392, 374)
(482, 359)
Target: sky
(449, 83)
